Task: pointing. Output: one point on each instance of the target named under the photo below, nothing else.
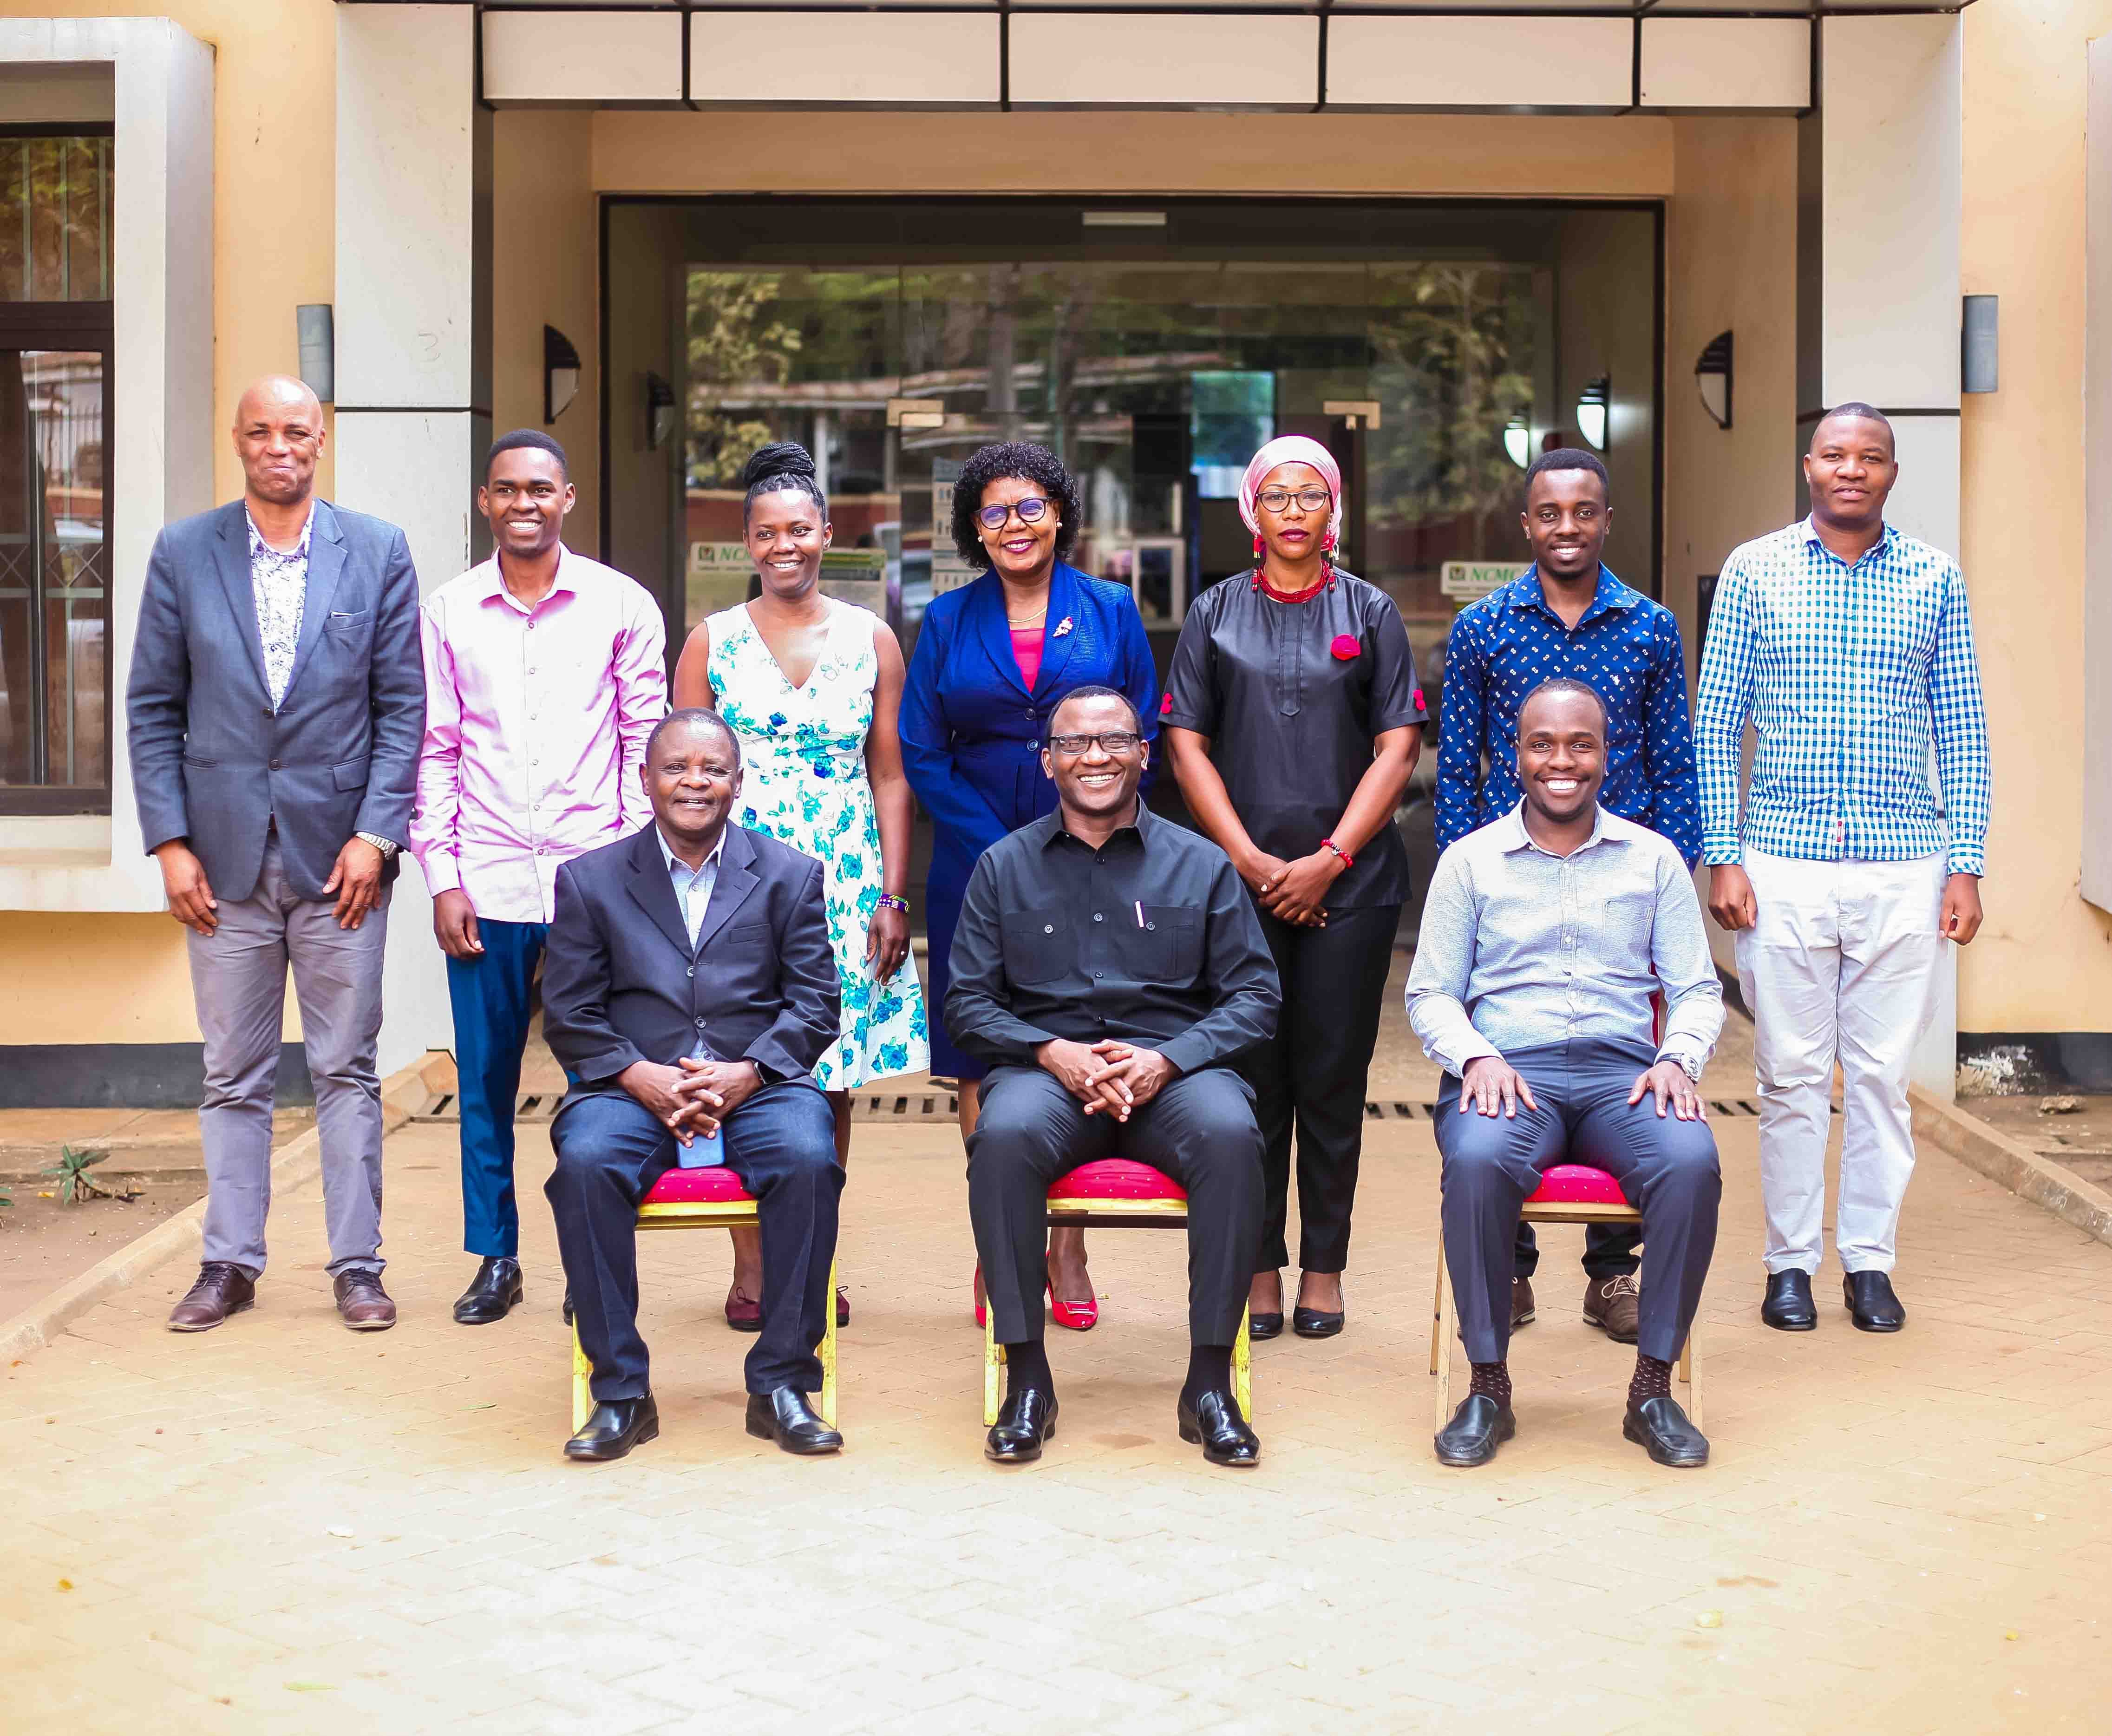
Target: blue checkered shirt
(1850, 676)
(1626, 646)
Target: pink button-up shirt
(535, 727)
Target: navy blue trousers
(782, 1145)
(492, 999)
(1667, 1168)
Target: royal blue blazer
(971, 732)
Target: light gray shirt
(279, 582)
(692, 886)
(1519, 948)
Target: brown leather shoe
(1614, 1307)
(363, 1302)
(222, 1290)
(1521, 1302)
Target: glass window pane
(55, 219)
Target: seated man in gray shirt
(1554, 925)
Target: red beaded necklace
(1326, 574)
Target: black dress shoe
(1477, 1428)
(1214, 1422)
(1261, 1326)
(1789, 1307)
(1662, 1430)
(617, 1425)
(785, 1417)
(1871, 1303)
(1027, 1419)
(1314, 1322)
(492, 1294)
(567, 1309)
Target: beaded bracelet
(1349, 861)
(894, 902)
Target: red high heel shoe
(1080, 1317)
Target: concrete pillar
(1880, 187)
(413, 353)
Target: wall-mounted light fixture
(1712, 374)
(315, 331)
(1980, 352)
(561, 373)
(1591, 404)
(659, 412)
(1517, 441)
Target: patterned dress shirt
(692, 886)
(1626, 646)
(279, 582)
(1850, 676)
(1519, 948)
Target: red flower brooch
(1345, 647)
(1166, 705)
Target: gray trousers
(1667, 1168)
(239, 980)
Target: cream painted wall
(2044, 961)
(94, 979)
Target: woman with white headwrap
(1293, 718)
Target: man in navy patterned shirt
(1568, 617)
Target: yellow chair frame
(1066, 1210)
(707, 1215)
(1445, 1312)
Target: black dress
(1291, 696)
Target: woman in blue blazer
(992, 660)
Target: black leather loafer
(617, 1425)
(1213, 1423)
(1027, 1419)
(492, 1294)
(1660, 1428)
(1789, 1307)
(1261, 1326)
(1477, 1428)
(1314, 1323)
(1872, 1305)
(785, 1417)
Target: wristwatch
(387, 846)
(1688, 1065)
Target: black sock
(1652, 1380)
(1492, 1380)
(1209, 1370)
(1028, 1366)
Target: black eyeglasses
(1275, 499)
(1112, 741)
(1029, 511)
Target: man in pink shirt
(545, 671)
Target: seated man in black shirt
(1108, 966)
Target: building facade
(1438, 237)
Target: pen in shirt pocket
(1139, 912)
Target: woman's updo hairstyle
(781, 468)
(1021, 463)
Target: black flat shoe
(1213, 1423)
(1872, 1305)
(617, 1425)
(1027, 1419)
(1314, 1322)
(567, 1309)
(1789, 1307)
(1660, 1428)
(492, 1294)
(785, 1417)
(1477, 1428)
(1261, 1326)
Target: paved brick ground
(285, 1527)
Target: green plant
(75, 1183)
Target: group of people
(713, 884)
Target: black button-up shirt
(1292, 696)
(1150, 939)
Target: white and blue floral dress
(803, 750)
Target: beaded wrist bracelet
(894, 902)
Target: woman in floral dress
(812, 686)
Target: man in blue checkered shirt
(1849, 647)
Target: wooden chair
(704, 1200)
(1113, 1193)
(1569, 1193)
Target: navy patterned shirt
(1626, 647)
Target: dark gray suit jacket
(213, 762)
(621, 983)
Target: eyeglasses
(1112, 741)
(1029, 511)
(1275, 499)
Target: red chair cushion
(716, 1187)
(1577, 1184)
(1115, 1178)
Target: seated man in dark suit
(1108, 966)
(689, 990)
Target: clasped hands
(1491, 1086)
(693, 1096)
(1292, 892)
(1111, 1078)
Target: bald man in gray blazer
(276, 700)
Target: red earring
(1258, 545)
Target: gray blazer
(621, 983)
(211, 762)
